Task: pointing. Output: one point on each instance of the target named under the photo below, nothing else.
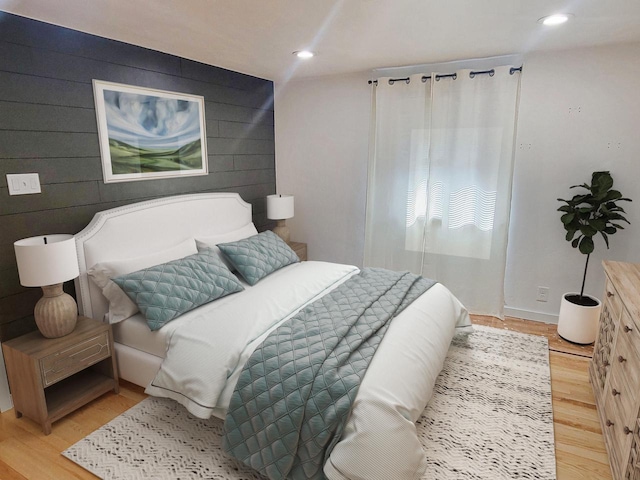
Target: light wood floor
(580, 450)
(25, 453)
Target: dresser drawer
(629, 331)
(621, 411)
(626, 359)
(614, 300)
(61, 364)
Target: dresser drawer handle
(627, 431)
(627, 329)
(609, 423)
(615, 392)
(621, 359)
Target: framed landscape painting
(148, 134)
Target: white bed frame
(141, 229)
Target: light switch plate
(23, 183)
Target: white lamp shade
(41, 264)
(279, 207)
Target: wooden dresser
(615, 369)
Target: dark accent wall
(48, 126)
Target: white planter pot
(576, 323)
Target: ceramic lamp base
(56, 312)
(282, 231)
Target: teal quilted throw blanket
(294, 395)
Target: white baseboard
(531, 315)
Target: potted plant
(589, 213)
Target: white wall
(579, 112)
(322, 131)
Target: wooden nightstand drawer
(78, 357)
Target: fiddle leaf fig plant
(593, 211)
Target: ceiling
(257, 37)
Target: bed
(379, 439)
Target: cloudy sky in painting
(147, 121)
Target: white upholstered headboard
(148, 227)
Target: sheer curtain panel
(440, 181)
(398, 171)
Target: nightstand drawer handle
(609, 294)
(627, 329)
(609, 423)
(615, 392)
(626, 430)
(621, 359)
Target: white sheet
(206, 354)
(134, 332)
(380, 440)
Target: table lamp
(48, 261)
(280, 207)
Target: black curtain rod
(472, 74)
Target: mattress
(135, 333)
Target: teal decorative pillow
(258, 256)
(163, 292)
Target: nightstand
(52, 377)
(300, 249)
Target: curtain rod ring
(491, 73)
(407, 80)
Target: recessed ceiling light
(304, 54)
(556, 19)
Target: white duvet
(206, 354)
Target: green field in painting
(129, 159)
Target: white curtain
(440, 180)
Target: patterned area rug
(490, 418)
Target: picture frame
(146, 133)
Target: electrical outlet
(543, 294)
(23, 184)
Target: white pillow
(120, 305)
(249, 230)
